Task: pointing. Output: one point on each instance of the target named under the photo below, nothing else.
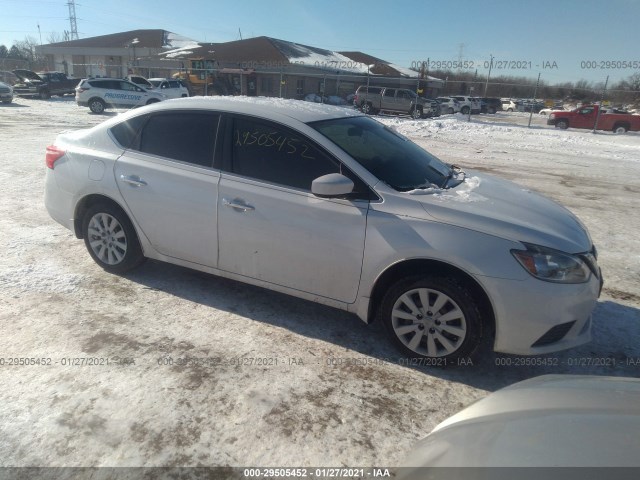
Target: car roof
(266, 107)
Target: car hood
(28, 76)
(499, 207)
(547, 421)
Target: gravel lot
(303, 404)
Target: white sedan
(327, 204)
(170, 87)
(547, 111)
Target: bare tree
(55, 37)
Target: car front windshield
(385, 153)
(155, 83)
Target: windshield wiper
(455, 170)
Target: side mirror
(331, 185)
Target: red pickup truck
(585, 117)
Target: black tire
(111, 239)
(465, 110)
(451, 111)
(491, 110)
(437, 340)
(509, 109)
(97, 105)
(152, 101)
(619, 129)
(416, 113)
(44, 94)
(562, 124)
(367, 108)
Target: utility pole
(535, 92)
(595, 125)
(486, 85)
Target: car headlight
(552, 116)
(552, 265)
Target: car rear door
(388, 101)
(169, 184)
(272, 228)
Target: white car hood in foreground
(547, 421)
(499, 207)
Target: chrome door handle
(133, 180)
(237, 204)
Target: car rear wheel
(367, 108)
(97, 105)
(562, 124)
(620, 129)
(152, 100)
(491, 110)
(111, 239)
(432, 317)
(465, 110)
(450, 111)
(416, 113)
(44, 94)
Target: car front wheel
(465, 110)
(562, 124)
(432, 317)
(111, 239)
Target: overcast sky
(562, 39)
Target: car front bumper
(535, 317)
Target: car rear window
(126, 132)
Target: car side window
(389, 92)
(127, 86)
(183, 136)
(276, 154)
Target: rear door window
(184, 136)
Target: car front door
(272, 228)
(586, 118)
(168, 182)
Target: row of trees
(25, 50)
(626, 91)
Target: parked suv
(101, 93)
(395, 100)
(448, 105)
(491, 105)
(468, 104)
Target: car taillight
(53, 154)
(81, 89)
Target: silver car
(6, 93)
(548, 421)
(327, 204)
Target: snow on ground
(330, 390)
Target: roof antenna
(240, 33)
